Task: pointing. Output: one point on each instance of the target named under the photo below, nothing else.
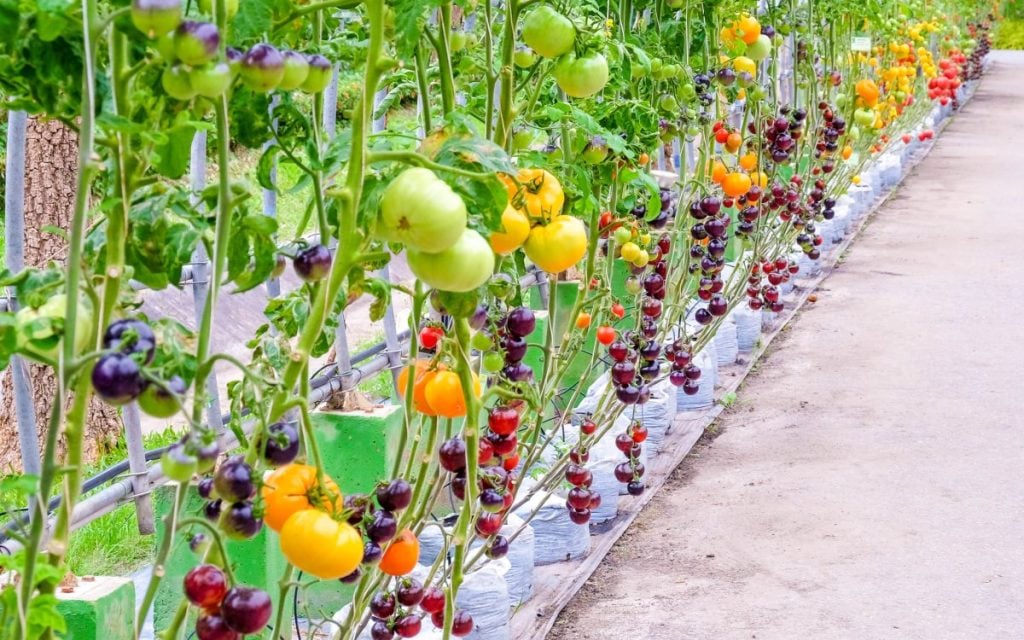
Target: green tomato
(760, 49)
(842, 100)
(622, 235)
(855, 133)
(211, 80)
(175, 81)
(523, 139)
(493, 362)
(40, 331)
(161, 402)
(458, 41)
(178, 464)
(668, 103)
(421, 211)
(165, 47)
(319, 76)
(686, 92)
(864, 117)
(757, 94)
(464, 266)
(524, 58)
(548, 32)
(296, 70)
(501, 286)
(633, 285)
(581, 77)
(196, 43)
(481, 341)
(656, 65)
(596, 150)
(156, 17)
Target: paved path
(869, 484)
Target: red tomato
(618, 311)
(605, 335)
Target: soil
(868, 481)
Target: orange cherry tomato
(425, 371)
(644, 159)
(402, 554)
(293, 488)
(733, 142)
(444, 394)
(748, 161)
(718, 172)
(736, 184)
(605, 335)
(583, 320)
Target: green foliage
(1009, 35)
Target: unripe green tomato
(493, 362)
(622, 235)
(668, 104)
(633, 285)
(481, 341)
(296, 70)
(210, 80)
(524, 58)
(175, 81)
(458, 41)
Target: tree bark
(51, 159)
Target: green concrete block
(99, 608)
(257, 562)
(358, 449)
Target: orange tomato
(748, 29)
(425, 370)
(867, 90)
(293, 488)
(748, 161)
(583, 320)
(847, 152)
(733, 142)
(718, 172)
(644, 159)
(736, 184)
(402, 554)
(444, 394)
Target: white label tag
(861, 43)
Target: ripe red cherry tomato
(605, 335)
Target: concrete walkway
(869, 483)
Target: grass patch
(1009, 34)
(112, 545)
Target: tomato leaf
(174, 155)
(410, 21)
(254, 19)
(266, 168)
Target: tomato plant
(531, 160)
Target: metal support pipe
(14, 238)
(200, 272)
(137, 466)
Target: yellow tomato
(515, 228)
(557, 245)
(319, 545)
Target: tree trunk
(51, 159)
